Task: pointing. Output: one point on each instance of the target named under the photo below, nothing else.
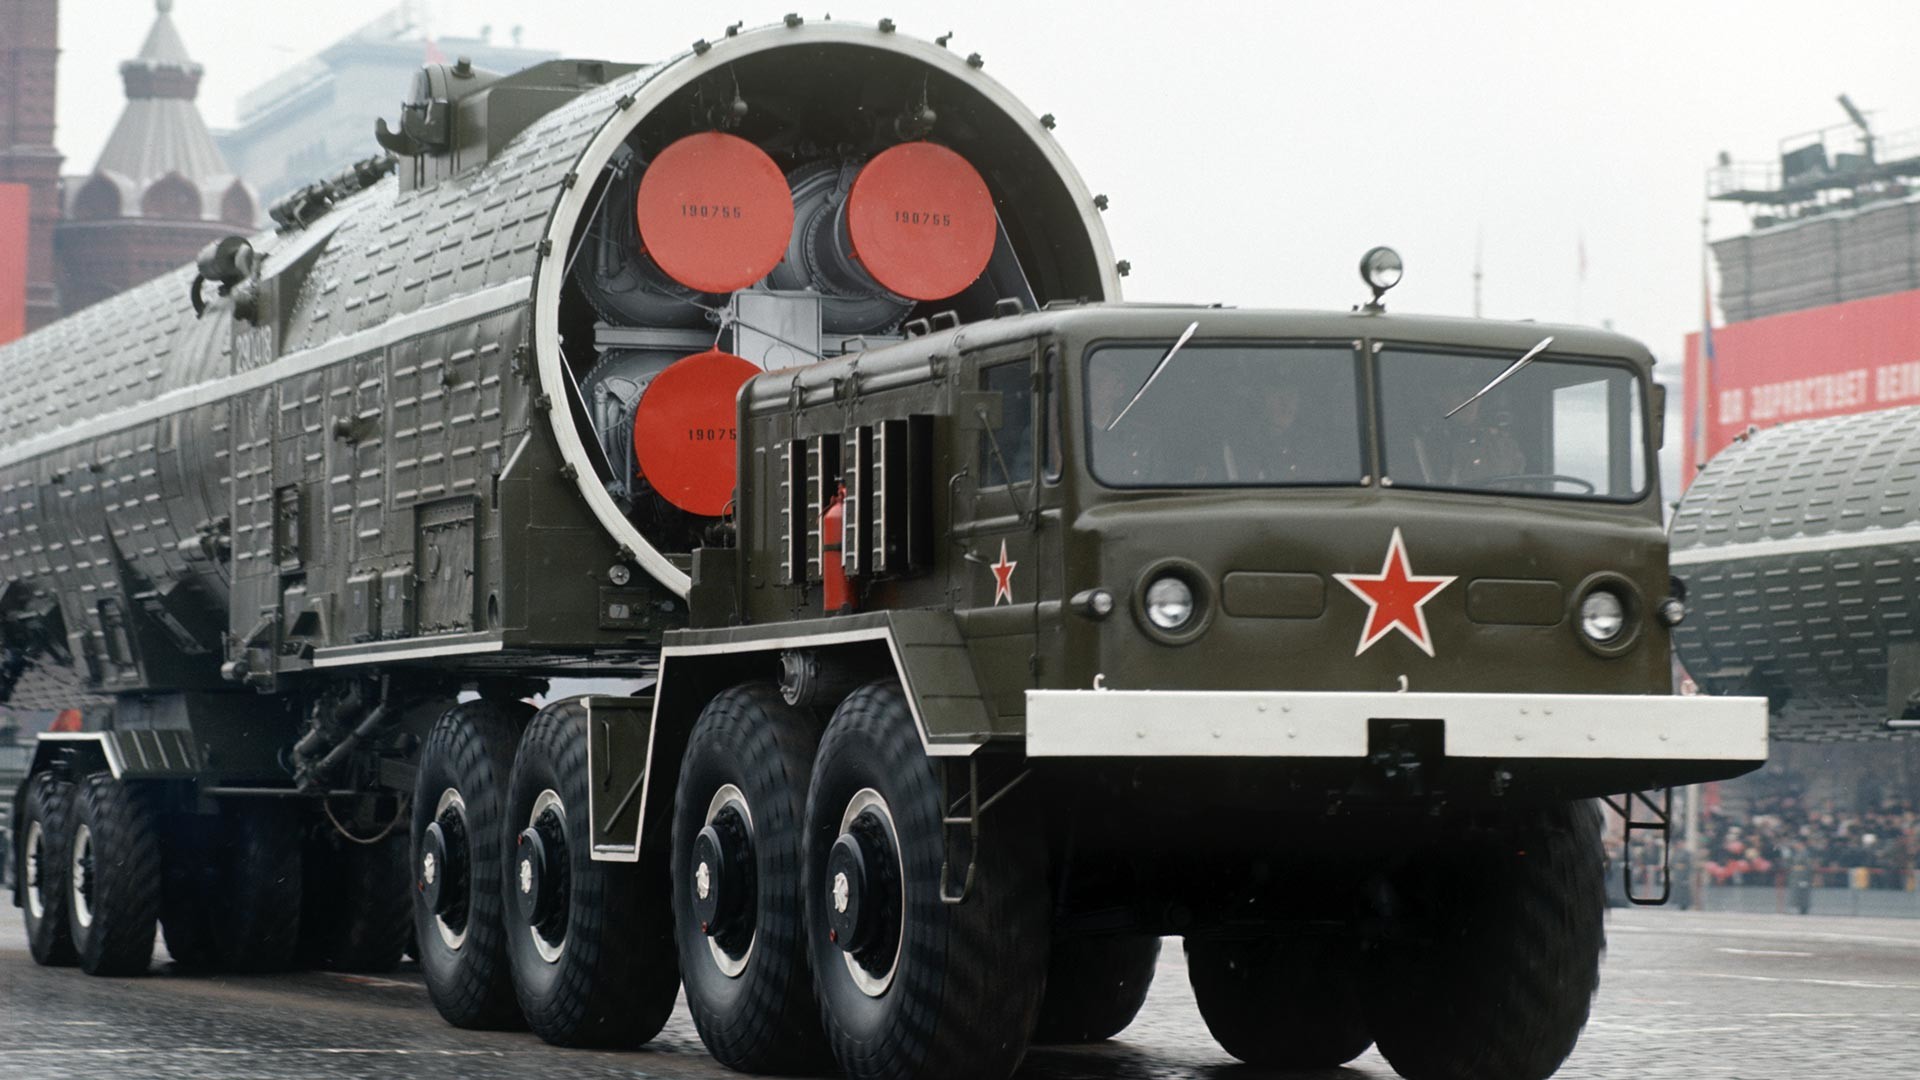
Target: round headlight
(1381, 268)
(1169, 603)
(1602, 616)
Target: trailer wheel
(737, 860)
(358, 908)
(1281, 1004)
(44, 830)
(591, 943)
(910, 986)
(1497, 954)
(1095, 987)
(189, 882)
(113, 877)
(458, 865)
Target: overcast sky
(1252, 151)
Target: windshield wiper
(1157, 369)
(1505, 375)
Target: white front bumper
(1311, 724)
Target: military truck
(981, 630)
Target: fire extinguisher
(833, 569)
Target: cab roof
(1081, 325)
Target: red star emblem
(1395, 597)
(1003, 576)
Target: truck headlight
(1603, 615)
(1169, 603)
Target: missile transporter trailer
(980, 631)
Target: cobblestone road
(1704, 997)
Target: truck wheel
(190, 880)
(910, 986)
(458, 865)
(44, 830)
(1095, 987)
(737, 860)
(1281, 1004)
(591, 943)
(254, 909)
(1498, 952)
(358, 909)
(113, 877)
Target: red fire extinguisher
(833, 569)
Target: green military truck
(981, 630)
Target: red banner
(1843, 358)
(14, 224)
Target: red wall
(1828, 361)
(13, 261)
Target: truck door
(994, 577)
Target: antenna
(1860, 120)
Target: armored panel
(447, 554)
(1800, 551)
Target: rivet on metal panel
(975, 61)
(1047, 121)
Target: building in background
(161, 189)
(1822, 295)
(317, 117)
(29, 55)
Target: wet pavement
(1699, 996)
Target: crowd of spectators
(1775, 835)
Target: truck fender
(922, 649)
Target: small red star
(1003, 576)
(1395, 598)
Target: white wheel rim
(870, 984)
(547, 800)
(82, 851)
(727, 795)
(36, 851)
(451, 800)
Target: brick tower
(29, 51)
(161, 189)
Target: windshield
(1218, 415)
(1556, 427)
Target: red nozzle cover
(921, 221)
(715, 212)
(683, 430)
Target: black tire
(1498, 957)
(45, 827)
(191, 879)
(255, 904)
(113, 894)
(608, 976)
(1282, 1004)
(757, 1013)
(959, 985)
(1095, 987)
(468, 756)
(358, 909)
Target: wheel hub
(442, 877)
(541, 877)
(865, 893)
(82, 870)
(848, 894)
(723, 877)
(36, 873)
(434, 869)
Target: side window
(1013, 464)
(1053, 402)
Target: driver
(1472, 446)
